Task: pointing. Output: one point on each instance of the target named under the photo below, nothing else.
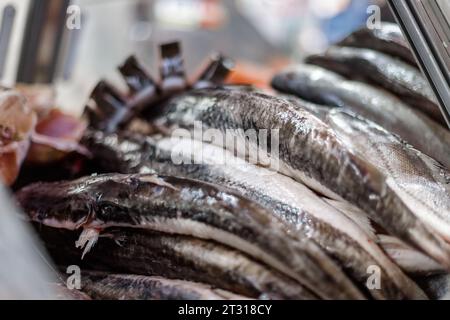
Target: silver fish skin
(325, 87)
(410, 260)
(182, 206)
(310, 152)
(292, 202)
(388, 39)
(131, 251)
(424, 192)
(380, 69)
(135, 287)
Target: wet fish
(182, 206)
(409, 259)
(409, 174)
(292, 202)
(385, 71)
(321, 86)
(388, 39)
(134, 287)
(309, 151)
(177, 257)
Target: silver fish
(421, 188)
(321, 86)
(395, 76)
(292, 202)
(182, 206)
(148, 253)
(409, 259)
(135, 287)
(309, 151)
(388, 39)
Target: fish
(306, 149)
(148, 253)
(292, 202)
(388, 39)
(410, 260)
(402, 79)
(183, 206)
(103, 286)
(409, 174)
(318, 85)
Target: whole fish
(385, 71)
(131, 251)
(308, 151)
(292, 202)
(409, 174)
(388, 39)
(321, 86)
(134, 287)
(182, 206)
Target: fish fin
(120, 240)
(153, 178)
(355, 214)
(440, 172)
(88, 238)
(408, 258)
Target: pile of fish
(347, 199)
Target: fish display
(309, 152)
(393, 75)
(388, 39)
(290, 201)
(325, 87)
(334, 185)
(188, 207)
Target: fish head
(65, 205)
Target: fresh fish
(131, 251)
(385, 71)
(182, 206)
(409, 259)
(308, 151)
(321, 86)
(134, 287)
(409, 176)
(292, 202)
(388, 39)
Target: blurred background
(75, 43)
